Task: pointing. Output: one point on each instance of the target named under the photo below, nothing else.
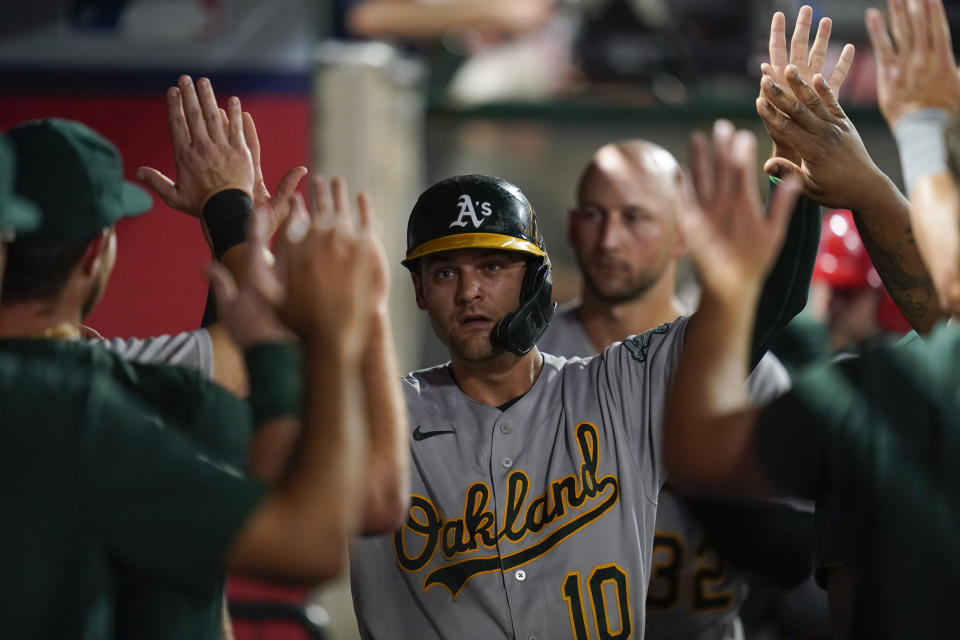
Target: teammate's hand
(732, 243)
(249, 309)
(837, 171)
(277, 206)
(921, 72)
(209, 149)
(328, 275)
(808, 62)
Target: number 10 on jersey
(607, 587)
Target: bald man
(625, 232)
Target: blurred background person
(846, 293)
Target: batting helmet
(843, 263)
(484, 212)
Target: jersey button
(521, 575)
(508, 462)
(505, 428)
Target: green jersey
(122, 493)
(878, 436)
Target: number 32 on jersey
(604, 594)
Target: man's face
(466, 292)
(624, 230)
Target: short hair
(39, 271)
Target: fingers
(179, 132)
(842, 68)
(235, 120)
(160, 184)
(827, 96)
(701, 167)
(801, 36)
(725, 173)
(295, 227)
(818, 52)
(365, 212)
(801, 90)
(341, 203)
(743, 156)
(940, 31)
(879, 38)
(919, 34)
(253, 141)
(320, 207)
(289, 183)
(899, 25)
(783, 130)
(781, 168)
(210, 111)
(803, 106)
(778, 41)
(338, 189)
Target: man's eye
(492, 266)
(590, 215)
(443, 274)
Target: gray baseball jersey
(191, 349)
(693, 593)
(532, 522)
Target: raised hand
(836, 171)
(920, 72)
(731, 241)
(277, 206)
(209, 148)
(327, 271)
(807, 60)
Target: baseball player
(107, 496)
(535, 479)
(876, 434)
(625, 232)
(59, 269)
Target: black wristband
(275, 380)
(226, 215)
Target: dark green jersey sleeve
(162, 505)
(785, 290)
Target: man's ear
(418, 289)
(96, 248)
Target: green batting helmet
(485, 212)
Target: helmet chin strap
(519, 330)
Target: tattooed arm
(837, 172)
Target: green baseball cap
(75, 176)
(16, 213)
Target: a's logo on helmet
(467, 208)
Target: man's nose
(468, 286)
(611, 232)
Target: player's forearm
(229, 213)
(388, 462)
(710, 384)
(883, 220)
(785, 290)
(301, 530)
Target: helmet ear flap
(519, 331)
